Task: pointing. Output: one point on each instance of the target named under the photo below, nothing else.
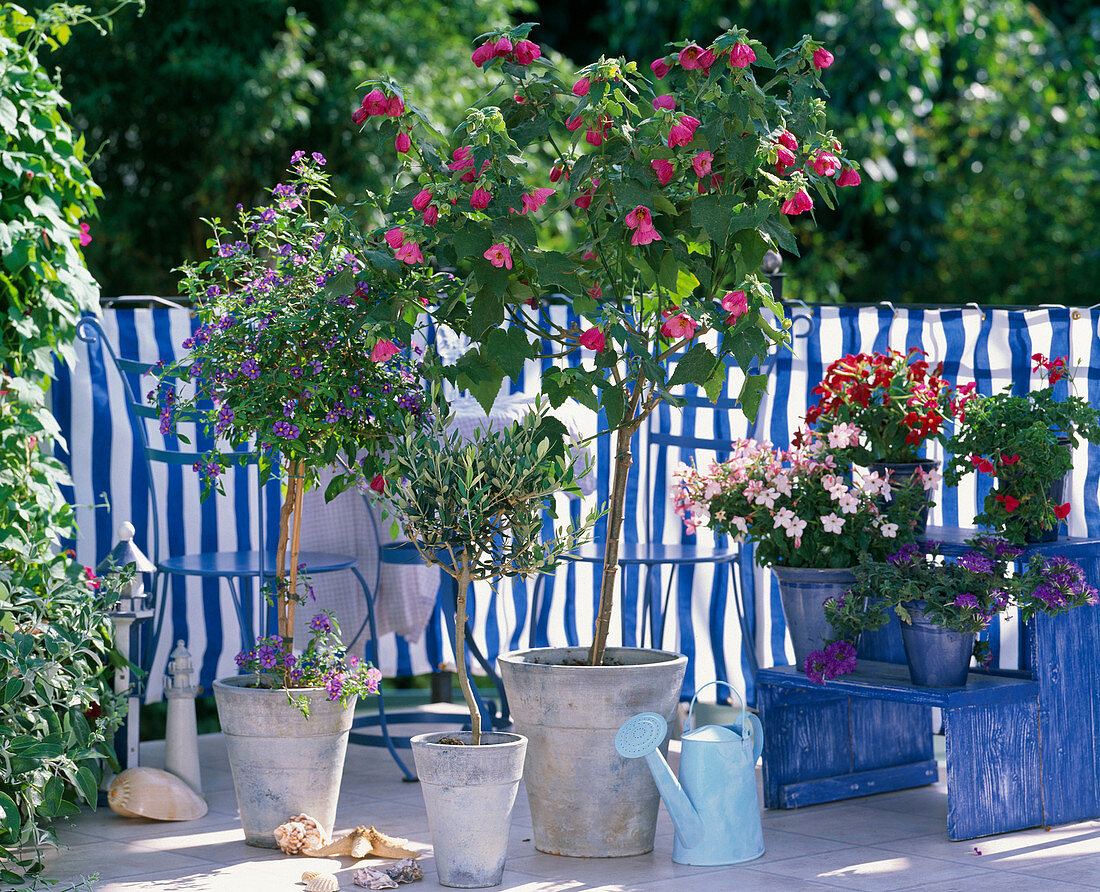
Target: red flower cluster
(1054, 370)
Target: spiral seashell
(156, 794)
(323, 882)
(299, 834)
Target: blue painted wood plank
(952, 541)
(994, 769)
(886, 733)
(886, 681)
(861, 783)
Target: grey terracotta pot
(469, 793)
(803, 592)
(283, 764)
(937, 657)
(587, 800)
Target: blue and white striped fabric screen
(992, 347)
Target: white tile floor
(887, 842)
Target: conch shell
(156, 794)
(364, 842)
(298, 834)
(323, 882)
(369, 878)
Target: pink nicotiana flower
(848, 177)
(663, 169)
(741, 56)
(383, 350)
(683, 131)
(825, 164)
(668, 102)
(701, 163)
(582, 86)
(480, 198)
(403, 142)
(499, 255)
(394, 237)
(527, 52)
(422, 200)
(797, 203)
(409, 252)
(85, 235)
(677, 324)
(689, 56)
(593, 339)
(660, 68)
(822, 58)
(736, 304)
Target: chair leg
(409, 776)
(664, 606)
(748, 641)
(245, 622)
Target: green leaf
(11, 690)
(751, 393)
(614, 406)
(86, 785)
(9, 117)
(712, 213)
(510, 349)
(714, 384)
(694, 367)
(9, 821)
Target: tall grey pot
(587, 800)
(283, 764)
(803, 592)
(469, 792)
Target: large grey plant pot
(282, 763)
(469, 792)
(803, 592)
(587, 800)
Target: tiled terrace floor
(885, 842)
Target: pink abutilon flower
(683, 131)
(660, 67)
(677, 324)
(375, 102)
(536, 199)
(595, 292)
(593, 339)
(736, 304)
(581, 87)
(480, 199)
(741, 56)
(409, 252)
(848, 177)
(383, 350)
(797, 203)
(784, 158)
(403, 142)
(689, 56)
(431, 215)
(557, 172)
(786, 138)
(822, 58)
(394, 237)
(643, 235)
(499, 255)
(573, 123)
(395, 107)
(85, 235)
(701, 163)
(422, 200)
(502, 47)
(482, 54)
(359, 115)
(663, 169)
(463, 158)
(378, 483)
(825, 164)
(640, 216)
(584, 201)
(527, 52)
(705, 60)
(668, 101)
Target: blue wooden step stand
(1021, 745)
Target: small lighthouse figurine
(181, 736)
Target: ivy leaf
(694, 367)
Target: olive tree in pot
(474, 508)
(669, 190)
(294, 359)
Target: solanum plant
(671, 180)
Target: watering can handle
(733, 690)
(757, 735)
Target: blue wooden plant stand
(1022, 746)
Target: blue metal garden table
(1021, 744)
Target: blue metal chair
(237, 568)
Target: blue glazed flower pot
(937, 657)
(803, 592)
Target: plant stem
(463, 582)
(280, 555)
(292, 599)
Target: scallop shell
(309, 875)
(369, 878)
(299, 834)
(323, 882)
(156, 794)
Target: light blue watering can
(714, 806)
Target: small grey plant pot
(803, 592)
(282, 763)
(586, 800)
(937, 657)
(469, 792)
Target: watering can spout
(643, 736)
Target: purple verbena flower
(977, 563)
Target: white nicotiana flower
(832, 523)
